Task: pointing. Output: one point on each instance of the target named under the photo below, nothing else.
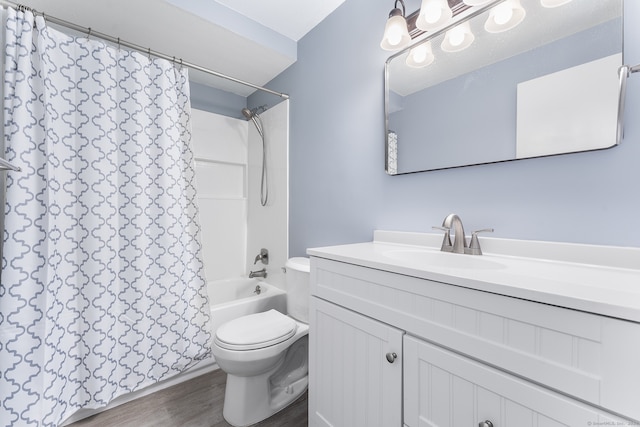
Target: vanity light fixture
(400, 30)
(396, 35)
(458, 38)
(553, 3)
(433, 14)
(420, 56)
(505, 16)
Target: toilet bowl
(265, 355)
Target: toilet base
(259, 403)
(249, 400)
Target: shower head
(247, 113)
(251, 113)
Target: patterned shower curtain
(102, 289)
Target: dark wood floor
(194, 403)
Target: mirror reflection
(470, 95)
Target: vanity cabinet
(466, 356)
(357, 372)
(443, 388)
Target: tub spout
(258, 273)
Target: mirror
(548, 86)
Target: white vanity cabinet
(443, 388)
(466, 356)
(357, 369)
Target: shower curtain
(102, 289)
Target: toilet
(265, 355)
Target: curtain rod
(119, 42)
(6, 166)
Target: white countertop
(597, 279)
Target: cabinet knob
(486, 423)
(391, 357)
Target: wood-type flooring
(194, 403)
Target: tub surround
(596, 279)
(548, 332)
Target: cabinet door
(445, 389)
(351, 381)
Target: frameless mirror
(548, 86)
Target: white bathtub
(233, 298)
(229, 299)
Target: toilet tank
(297, 284)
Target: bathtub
(233, 298)
(228, 299)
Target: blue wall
(216, 101)
(339, 192)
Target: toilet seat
(255, 331)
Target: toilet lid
(255, 331)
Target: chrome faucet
(459, 241)
(258, 273)
(459, 245)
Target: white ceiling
(251, 40)
(278, 14)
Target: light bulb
(420, 56)
(503, 14)
(456, 36)
(433, 13)
(394, 36)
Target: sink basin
(424, 257)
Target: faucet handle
(474, 245)
(446, 242)
(263, 256)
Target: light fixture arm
(395, 8)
